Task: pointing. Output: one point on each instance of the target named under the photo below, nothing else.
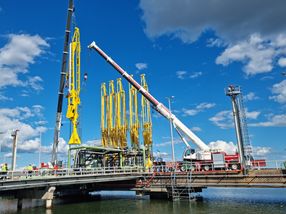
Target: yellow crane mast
(146, 117)
(104, 110)
(133, 117)
(120, 117)
(74, 86)
(110, 116)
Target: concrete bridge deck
(45, 185)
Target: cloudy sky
(190, 49)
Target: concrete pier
(48, 196)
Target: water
(216, 201)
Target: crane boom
(62, 83)
(164, 111)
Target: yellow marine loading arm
(146, 122)
(74, 86)
(104, 110)
(158, 106)
(133, 118)
(120, 116)
(110, 116)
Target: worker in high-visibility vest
(4, 169)
(29, 170)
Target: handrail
(67, 172)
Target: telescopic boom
(158, 106)
(62, 83)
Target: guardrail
(67, 172)
(210, 167)
(169, 167)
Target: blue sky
(188, 49)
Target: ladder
(244, 128)
(181, 192)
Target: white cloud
(229, 148)
(252, 114)
(255, 52)
(141, 66)
(96, 142)
(224, 119)
(273, 121)
(280, 90)
(184, 74)
(250, 96)
(159, 154)
(16, 57)
(35, 83)
(168, 143)
(223, 16)
(282, 62)
(15, 119)
(196, 75)
(261, 151)
(254, 37)
(199, 108)
(62, 146)
(215, 42)
(196, 129)
(5, 98)
(181, 74)
(8, 155)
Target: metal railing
(225, 167)
(169, 168)
(68, 172)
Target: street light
(1, 144)
(40, 149)
(171, 128)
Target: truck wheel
(234, 166)
(206, 168)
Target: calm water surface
(219, 201)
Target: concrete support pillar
(48, 196)
(49, 203)
(139, 194)
(19, 204)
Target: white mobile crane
(204, 153)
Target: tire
(234, 166)
(206, 167)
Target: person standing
(4, 170)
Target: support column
(20, 204)
(48, 196)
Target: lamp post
(40, 149)
(1, 145)
(14, 152)
(171, 128)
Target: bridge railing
(42, 173)
(210, 167)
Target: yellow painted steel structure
(120, 115)
(146, 123)
(110, 116)
(74, 86)
(104, 110)
(133, 118)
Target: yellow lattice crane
(104, 110)
(110, 116)
(120, 117)
(74, 86)
(146, 123)
(133, 117)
